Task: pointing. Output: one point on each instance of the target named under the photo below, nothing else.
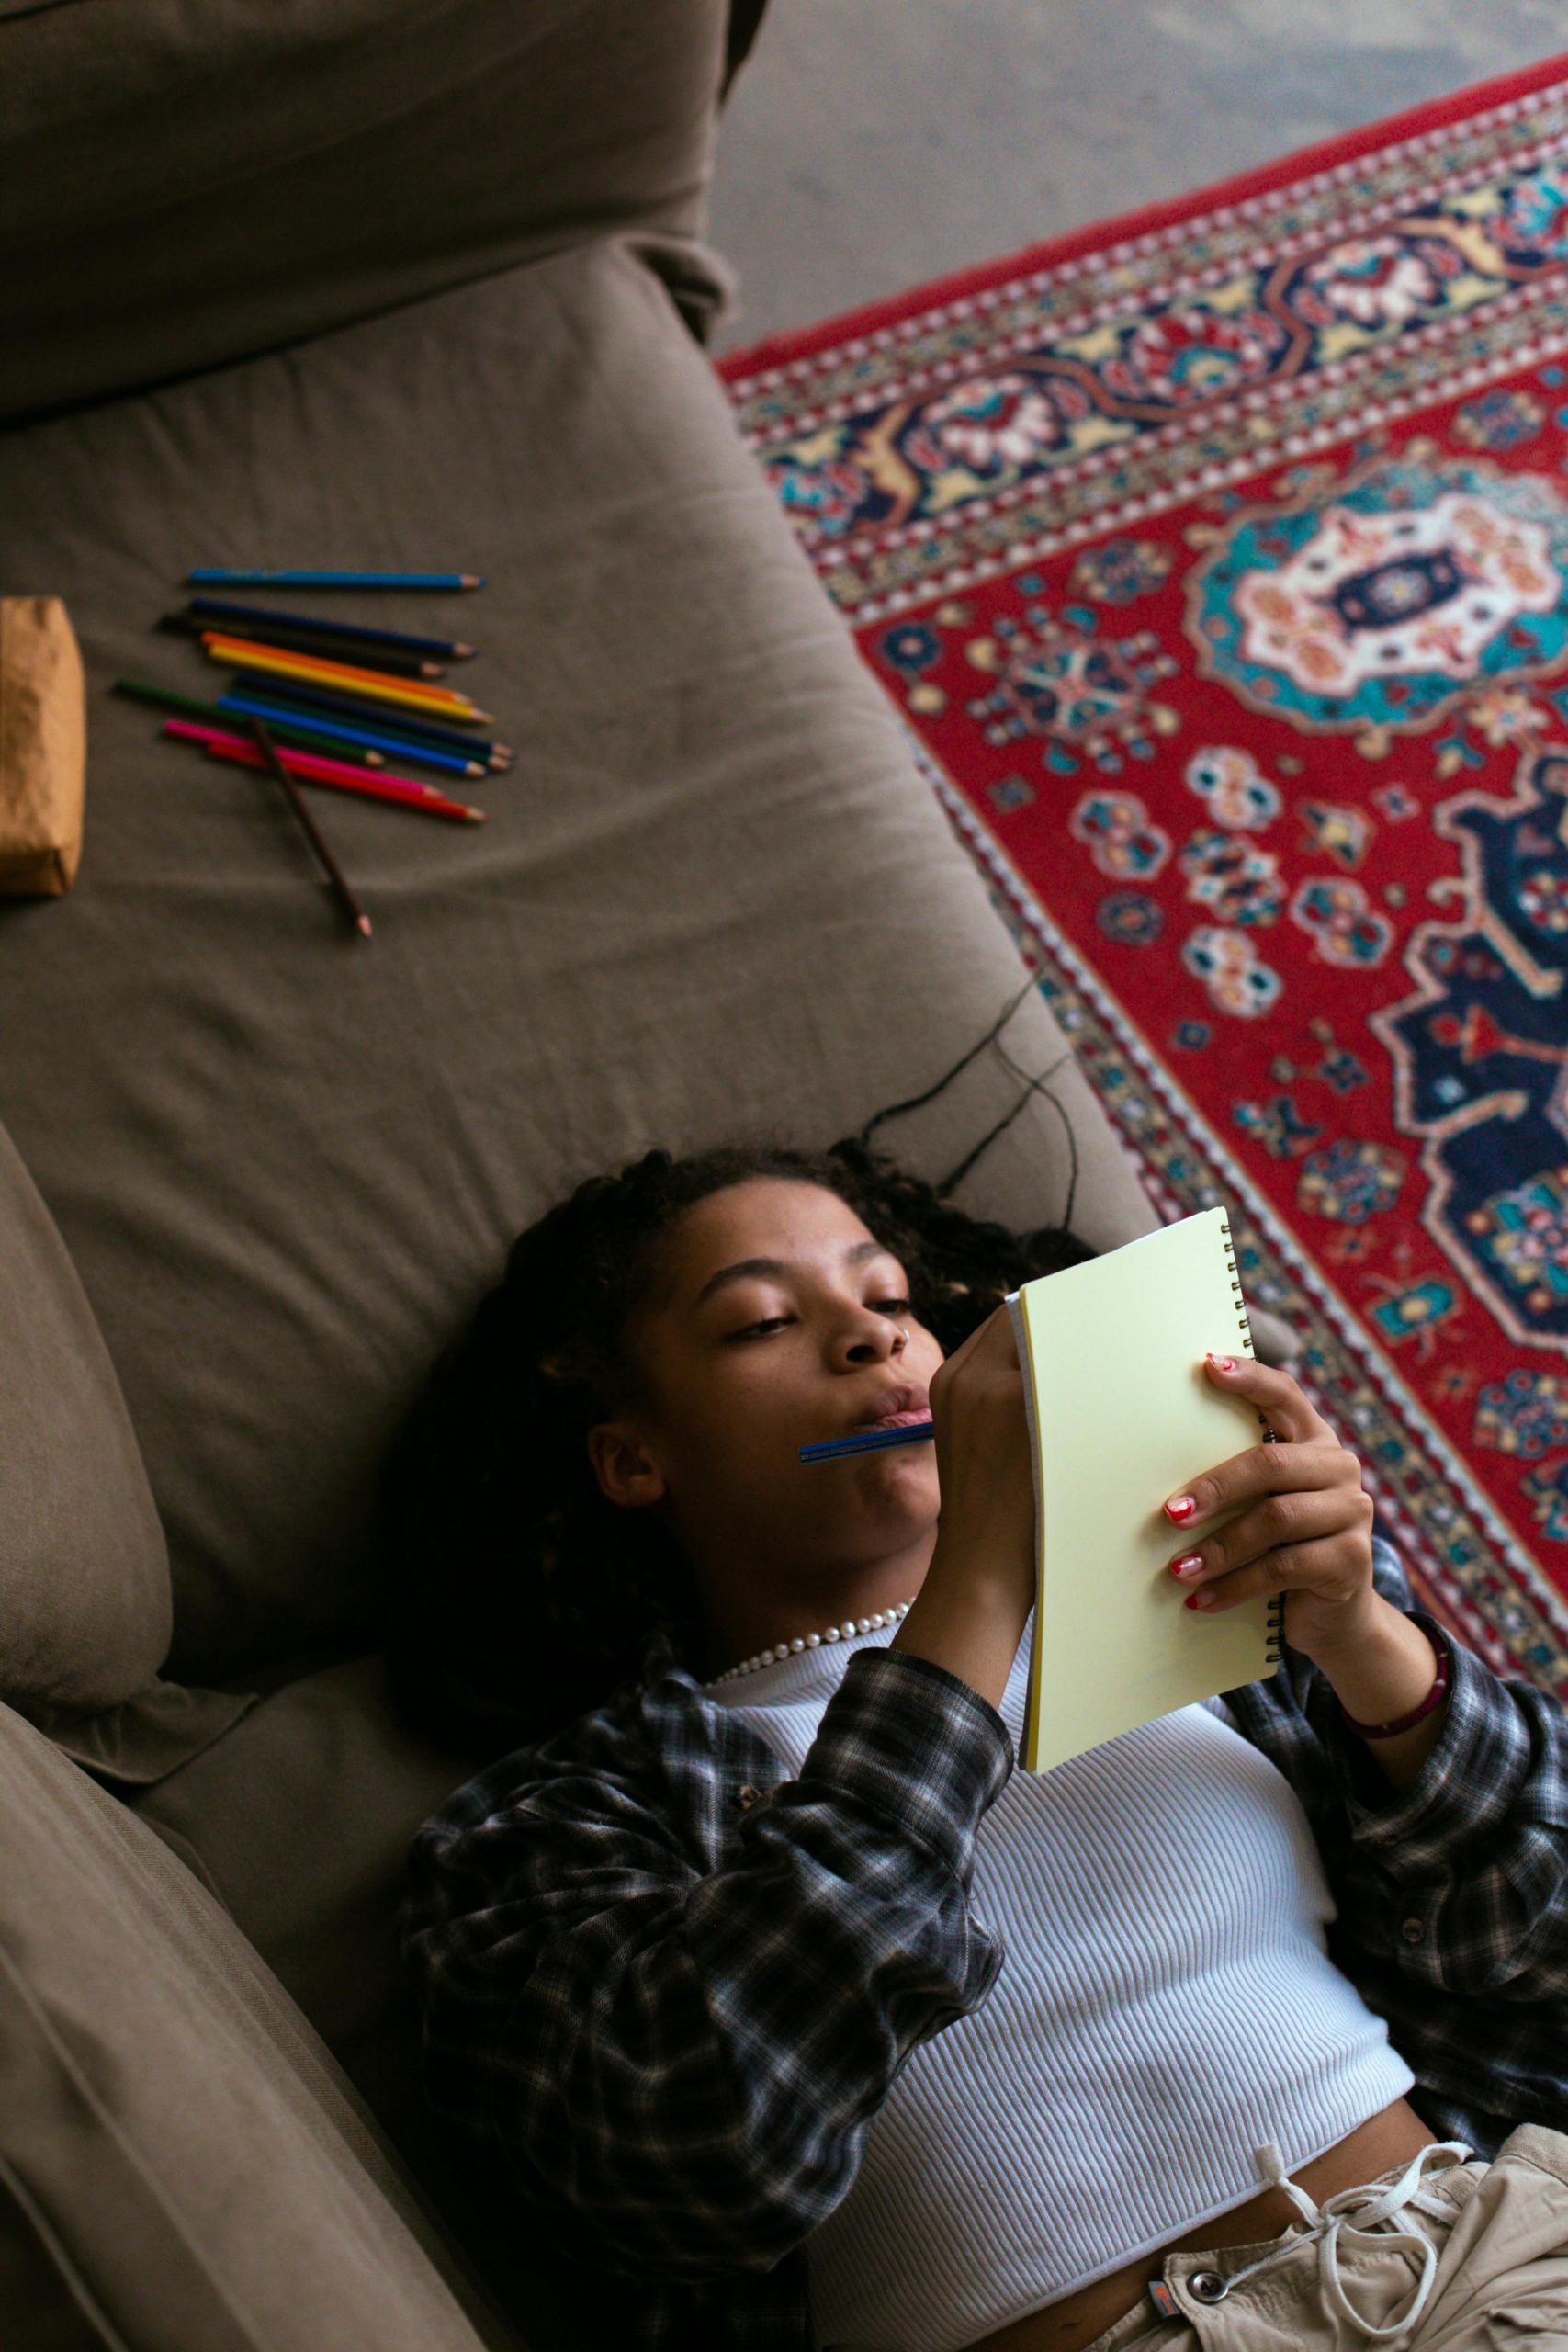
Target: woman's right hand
(980, 1587)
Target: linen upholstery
(185, 185)
(173, 2132)
(37, 2306)
(300, 1819)
(83, 1573)
(713, 895)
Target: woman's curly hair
(517, 1596)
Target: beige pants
(1501, 2273)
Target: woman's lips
(903, 1404)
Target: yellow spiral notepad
(1122, 1415)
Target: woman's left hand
(1305, 1530)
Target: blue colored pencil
(370, 719)
(430, 755)
(214, 575)
(340, 632)
(869, 1441)
(400, 718)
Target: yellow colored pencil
(334, 670)
(374, 686)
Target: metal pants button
(1208, 2287)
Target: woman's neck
(740, 1623)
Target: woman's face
(776, 1319)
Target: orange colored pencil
(297, 660)
(241, 653)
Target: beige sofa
(354, 283)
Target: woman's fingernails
(1188, 1565)
(1180, 1507)
(1222, 1363)
(1199, 1601)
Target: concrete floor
(872, 144)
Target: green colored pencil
(309, 739)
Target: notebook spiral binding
(1244, 1326)
(1275, 1621)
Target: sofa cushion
(83, 1573)
(713, 895)
(186, 185)
(300, 1819)
(37, 2307)
(200, 2174)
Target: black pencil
(335, 875)
(297, 640)
(352, 631)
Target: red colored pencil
(405, 792)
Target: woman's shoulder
(657, 1750)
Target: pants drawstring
(1367, 2213)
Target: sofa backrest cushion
(85, 1595)
(199, 2171)
(186, 185)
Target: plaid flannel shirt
(665, 1990)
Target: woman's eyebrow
(857, 1252)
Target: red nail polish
(1222, 1363)
(1199, 1601)
(1181, 1508)
(1188, 1565)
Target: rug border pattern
(1250, 196)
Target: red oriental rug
(1217, 558)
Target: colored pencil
(404, 791)
(321, 737)
(297, 640)
(340, 734)
(295, 695)
(313, 764)
(431, 701)
(869, 1441)
(213, 575)
(349, 675)
(220, 608)
(273, 760)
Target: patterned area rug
(1218, 560)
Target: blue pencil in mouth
(868, 1441)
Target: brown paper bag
(43, 747)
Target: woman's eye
(779, 1322)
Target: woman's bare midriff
(1387, 2139)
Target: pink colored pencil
(312, 768)
(199, 730)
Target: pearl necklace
(844, 1632)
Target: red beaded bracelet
(1430, 1704)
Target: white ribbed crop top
(1166, 2005)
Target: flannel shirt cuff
(916, 1744)
(1469, 1783)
